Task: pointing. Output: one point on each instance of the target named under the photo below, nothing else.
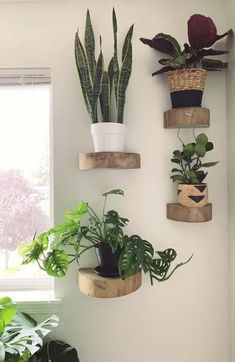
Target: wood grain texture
(94, 285)
(187, 117)
(178, 212)
(120, 160)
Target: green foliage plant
(83, 230)
(97, 83)
(190, 167)
(20, 335)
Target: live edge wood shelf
(178, 212)
(121, 160)
(197, 117)
(94, 285)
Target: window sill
(41, 307)
(35, 302)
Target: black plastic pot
(108, 261)
(186, 98)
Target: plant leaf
(123, 81)
(164, 43)
(84, 75)
(162, 70)
(209, 164)
(114, 192)
(90, 45)
(110, 72)
(202, 139)
(213, 64)
(179, 178)
(56, 263)
(105, 99)
(97, 84)
(200, 150)
(126, 41)
(115, 56)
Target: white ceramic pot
(108, 136)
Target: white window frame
(29, 76)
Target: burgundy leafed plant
(202, 34)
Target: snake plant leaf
(56, 263)
(110, 71)
(114, 192)
(90, 45)
(115, 56)
(84, 75)
(97, 82)
(164, 43)
(124, 77)
(105, 103)
(126, 41)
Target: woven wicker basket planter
(186, 87)
(193, 195)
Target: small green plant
(202, 34)
(83, 230)
(97, 83)
(20, 335)
(189, 161)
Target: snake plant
(97, 84)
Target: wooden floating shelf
(187, 117)
(94, 285)
(127, 160)
(178, 212)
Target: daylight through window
(25, 98)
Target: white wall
(231, 170)
(185, 319)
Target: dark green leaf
(123, 81)
(209, 146)
(105, 99)
(115, 56)
(209, 164)
(90, 45)
(126, 42)
(114, 192)
(180, 178)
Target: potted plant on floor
(20, 335)
(192, 191)
(99, 84)
(187, 68)
(118, 254)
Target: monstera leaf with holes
(20, 335)
(137, 254)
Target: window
(25, 99)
